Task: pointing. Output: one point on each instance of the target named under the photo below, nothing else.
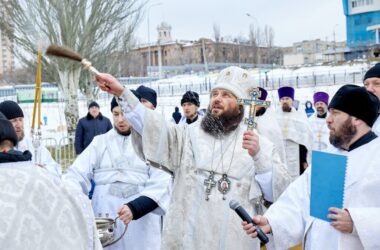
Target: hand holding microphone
(234, 205)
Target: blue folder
(328, 173)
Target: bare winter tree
(269, 43)
(254, 35)
(97, 29)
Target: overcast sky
(292, 20)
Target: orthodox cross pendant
(209, 183)
(224, 185)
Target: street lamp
(253, 18)
(149, 57)
(254, 41)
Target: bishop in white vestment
(209, 163)
(352, 113)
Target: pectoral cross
(209, 183)
(253, 103)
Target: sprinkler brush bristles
(60, 51)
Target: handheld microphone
(234, 205)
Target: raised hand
(110, 84)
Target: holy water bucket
(106, 230)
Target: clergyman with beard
(371, 82)
(123, 183)
(13, 112)
(213, 161)
(296, 132)
(318, 121)
(352, 113)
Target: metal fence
(269, 82)
(62, 151)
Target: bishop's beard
(218, 126)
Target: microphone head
(234, 204)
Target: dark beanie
(356, 101)
(192, 97)
(93, 104)
(114, 102)
(11, 109)
(148, 94)
(373, 72)
(7, 132)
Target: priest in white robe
(372, 84)
(213, 161)
(121, 177)
(296, 132)
(352, 112)
(318, 121)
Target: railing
(63, 152)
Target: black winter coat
(88, 127)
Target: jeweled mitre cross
(253, 103)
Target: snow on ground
(170, 93)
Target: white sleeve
(133, 110)
(80, 173)
(158, 188)
(287, 216)
(49, 163)
(366, 223)
(265, 182)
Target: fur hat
(356, 101)
(192, 97)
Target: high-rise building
(7, 62)
(363, 25)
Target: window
(361, 3)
